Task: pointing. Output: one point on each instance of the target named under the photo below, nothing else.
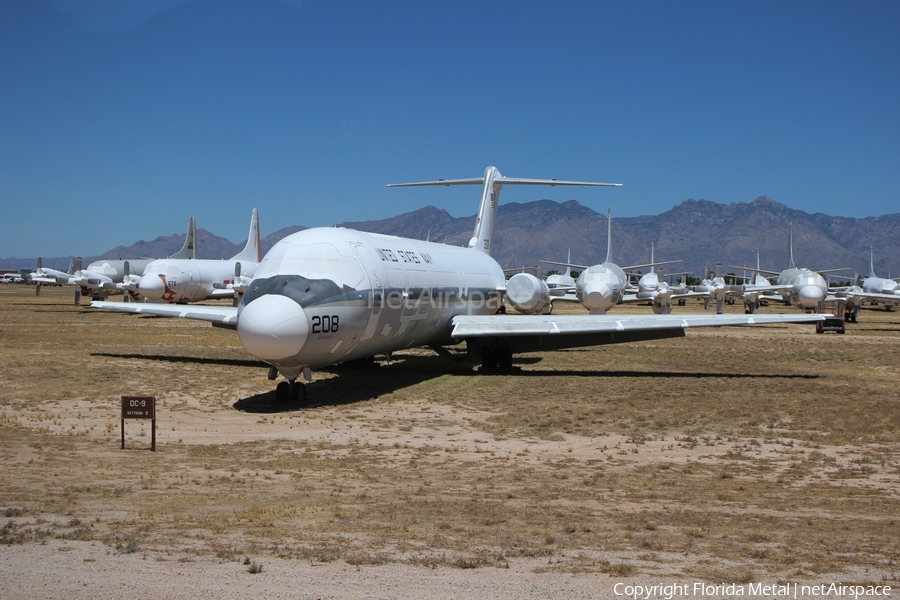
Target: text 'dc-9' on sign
(138, 407)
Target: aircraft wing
(507, 325)
(217, 315)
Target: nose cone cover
(810, 296)
(596, 297)
(151, 286)
(273, 327)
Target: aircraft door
(376, 297)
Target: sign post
(140, 407)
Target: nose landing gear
(290, 390)
(293, 391)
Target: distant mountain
(697, 231)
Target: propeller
(238, 286)
(40, 266)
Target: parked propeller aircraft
(106, 276)
(51, 276)
(124, 275)
(180, 281)
(802, 287)
(322, 296)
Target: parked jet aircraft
(806, 289)
(324, 295)
(602, 286)
(888, 288)
(192, 280)
(876, 290)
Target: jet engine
(528, 294)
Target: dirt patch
(731, 455)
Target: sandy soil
(420, 480)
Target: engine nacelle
(528, 294)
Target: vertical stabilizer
(871, 261)
(569, 266)
(791, 245)
(483, 235)
(608, 235)
(492, 183)
(251, 252)
(189, 249)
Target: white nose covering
(810, 296)
(596, 297)
(273, 327)
(151, 286)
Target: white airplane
(562, 283)
(802, 287)
(653, 288)
(105, 276)
(326, 295)
(602, 286)
(756, 290)
(192, 280)
(888, 288)
(51, 276)
(876, 290)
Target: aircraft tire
(298, 392)
(282, 391)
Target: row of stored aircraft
(324, 296)
(600, 287)
(180, 278)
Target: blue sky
(120, 119)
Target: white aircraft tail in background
(176, 280)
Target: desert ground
(734, 456)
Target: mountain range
(698, 232)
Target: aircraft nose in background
(596, 297)
(151, 286)
(273, 327)
(810, 296)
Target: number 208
(325, 324)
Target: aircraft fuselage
(324, 296)
(808, 288)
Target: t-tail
(493, 182)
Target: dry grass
(734, 454)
